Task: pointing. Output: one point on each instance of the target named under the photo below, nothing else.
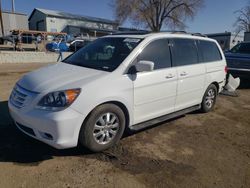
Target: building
(246, 36)
(13, 21)
(226, 40)
(56, 21)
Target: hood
(58, 76)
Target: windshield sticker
(131, 40)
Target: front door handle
(169, 76)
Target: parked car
(93, 96)
(8, 38)
(238, 60)
(53, 46)
(77, 44)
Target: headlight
(58, 100)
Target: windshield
(242, 48)
(103, 54)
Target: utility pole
(13, 6)
(1, 18)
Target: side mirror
(141, 66)
(144, 66)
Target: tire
(209, 99)
(103, 128)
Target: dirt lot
(196, 150)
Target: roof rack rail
(131, 33)
(175, 31)
(184, 32)
(198, 34)
(148, 32)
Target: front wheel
(103, 128)
(209, 99)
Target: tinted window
(78, 43)
(104, 53)
(184, 52)
(243, 48)
(157, 52)
(208, 51)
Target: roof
(174, 34)
(17, 13)
(60, 14)
(219, 34)
(148, 33)
(93, 29)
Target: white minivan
(118, 82)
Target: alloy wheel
(106, 128)
(209, 99)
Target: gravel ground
(196, 150)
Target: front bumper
(57, 129)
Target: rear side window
(208, 51)
(184, 52)
(157, 52)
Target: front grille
(26, 129)
(20, 96)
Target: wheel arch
(120, 105)
(216, 85)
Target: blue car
(238, 60)
(53, 46)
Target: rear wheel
(209, 99)
(103, 128)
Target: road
(196, 150)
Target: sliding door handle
(169, 76)
(184, 74)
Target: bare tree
(153, 14)
(242, 22)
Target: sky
(216, 16)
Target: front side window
(209, 51)
(242, 48)
(103, 54)
(184, 52)
(157, 52)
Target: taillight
(226, 69)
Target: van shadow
(19, 148)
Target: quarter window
(208, 51)
(184, 52)
(157, 52)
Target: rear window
(208, 51)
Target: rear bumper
(57, 129)
(242, 73)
